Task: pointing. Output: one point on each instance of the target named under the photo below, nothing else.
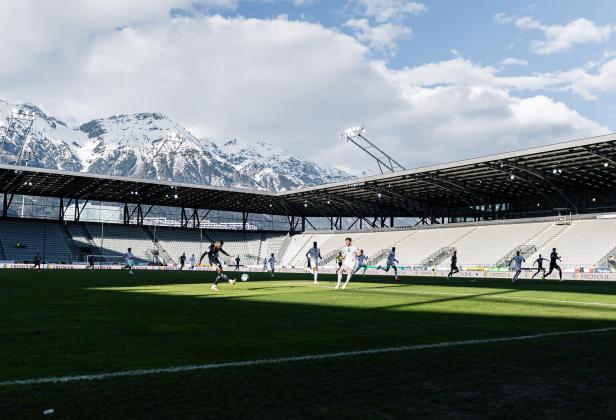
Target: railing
(604, 262)
(437, 257)
(525, 251)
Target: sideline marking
(290, 359)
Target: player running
(182, 261)
(339, 260)
(271, 261)
(212, 255)
(192, 261)
(129, 259)
(361, 262)
(391, 263)
(37, 262)
(454, 265)
(350, 253)
(264, 264)
(237, 263)
(314, 255)
(554, 258)
(517, 266)
(539, 261)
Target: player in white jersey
(391, 263)
(517, 266)
(129, 258)
(349, 262)
(314, 254)
(271, 261)
(361, 262)
(192, 261)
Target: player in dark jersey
(212, 255)
(182, 261)
(554, 258)
(339, 260)
(539, 261)
(37, 262)
(454, 265)
(237, 263)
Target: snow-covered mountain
(140, 145)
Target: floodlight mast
(356, 136)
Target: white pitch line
(291, 359)
(480, 296)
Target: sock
(316, 274)
(339, 277)
(348, 278)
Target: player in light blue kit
(361, 262)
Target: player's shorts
(553, 266)
(130, 263)
(454, 267)
(215, 262)
(314, 263)
(391, 263)
(349, 267)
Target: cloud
(388, 10)
(559, 38)
(381, 38)
(292, 83)
(512, 61)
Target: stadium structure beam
(393, 194)
(592, 151)
(147, 212)
(357, 219)
(204, 216)
(6, 204)
(183, 218)
(78, 210)
(245, 220)
(545, 178)
(196, 222)
(435, 182)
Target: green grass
(57, 323)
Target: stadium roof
(557, 175)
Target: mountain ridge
(150, 145)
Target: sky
(432, 81)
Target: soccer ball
(244, 277)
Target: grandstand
(486, 208)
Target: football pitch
(159, 344)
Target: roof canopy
(558, 175)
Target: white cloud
(292, 83)
(559, 38)
(512, 61)
(388, 10)
(381, 38)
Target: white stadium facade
(488, 208)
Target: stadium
(83, 337)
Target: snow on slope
(136, 145)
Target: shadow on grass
(64, 325)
